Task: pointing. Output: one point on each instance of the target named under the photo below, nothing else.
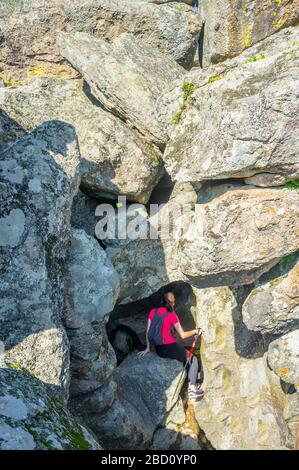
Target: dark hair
(165, 302)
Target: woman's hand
(141, 354)
(199, 331)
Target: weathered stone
(291, 415)
(91, 291)
(140, 265)
(127, 76)
(29, 29)
(232, 25)
(83, 213)
(92, 284)
(265, 180)
(274, 307)
(145, 389)
(115, 159)
(149, 261)
(160, 2)
(283, 357)
(239, 118)
(237, 411)
(33, 419)
(236, 237)
(261, 223)
(40, 175)
(92, 361)
(172, 28)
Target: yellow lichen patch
(37, 71)
(10, 81)
(282, 371)
(262, 431)
(221, 336)
(247, 37)
(226, 379)
(55, 71)
(278, 23)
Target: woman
(170, 348)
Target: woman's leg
(172, 351)
(193, 371)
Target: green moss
(14, 365)
(295, 43)
(12, 6)
(255, 58)
(177, 117)
(292, 184)
(215, 78)
(179, 9)
(188, 89)
(38, 439)
(288, 262)
(76, 439)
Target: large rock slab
(33, 419)
(232, 237)
(127, 76)
(237, 411)
(232, 25)
(91, 290)
(148, 261)
(145, 396)
(274, 307)
(236, 237)
(239, 119)
(115, 159)
(29, 29)
(283, 357)
(39, 177)
(92, 284)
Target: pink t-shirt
(169, 320)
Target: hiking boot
(194, 393)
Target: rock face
(283, 357)
(263, 224)
(127, 76)
(40, 174)
(204, 253)
(92, 284)
(274, 307)
(96, 94)
(115, 159)
(29, 30)
(232, 26)
(92, 288)
(145, 396)
(229, 128)
(237, 411)
(33, 419)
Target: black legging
(178, 352)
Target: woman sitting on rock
(160, 323)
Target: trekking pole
(190, 352)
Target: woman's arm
(148, 346)
(184, 334)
